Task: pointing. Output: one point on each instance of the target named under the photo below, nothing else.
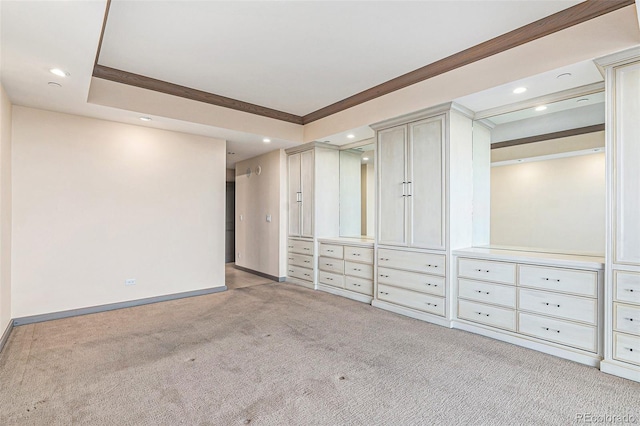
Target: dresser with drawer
(533, 299)
(626, 317)
(345, 268)
(300, 262)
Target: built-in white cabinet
(411, 184)
(345, 268)
(622, 297)
(313, 205)
(553, 305)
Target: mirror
(357, 190)
(539, 175)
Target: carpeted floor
(278, 354)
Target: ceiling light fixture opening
(351, 136)
(145, 118)
(541, 108)
(519, 90)
(59, 72)
(266, 140)
(365, 158)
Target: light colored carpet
(278, 354)
(235, 278)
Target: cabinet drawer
(487, 270)
(359, 285)
(489, 315)
(330, 250)
(300, 273)
(584, 283)
(555, 330)
(412, 281)
(330, 278)
(626, 348)
(627, 286)
(413, 261)
(358, 270)
(487, 292)
(300, 246)
(558, 305)
(300, 260)
(626, 318)
(331, 265)
(411, 299)
(360, 254)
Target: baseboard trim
(346, 293)
(620, 370)
(5, 335)
(260, 274)
(113, 306)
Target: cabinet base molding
(620, 370)
(434, 319)
(592, 360)
(346, 293)
(303, 283)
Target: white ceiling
(295, 56)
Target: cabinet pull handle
(630, 319)
(330, 251)
(307, 275)
(551, 279)
(551, 304)
(291, 258)
(306, 248)
(384, 276)
(630, 290)
(382, 258)
(434, 285)
(551, 329)
(629, 349)
(480, 313)
(482, 270)
(383, 292)
(330, 279)
(290, 246)
(404, 194)
(432, 304)
(435, 266)
(307, 261)
(290, 270)
(482, 292)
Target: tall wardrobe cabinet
(314, 206)
(622, 280)
(424, 209)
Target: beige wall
(556, 205)
(5, 210)
(98, 202)
(261, 245)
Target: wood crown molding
(549, 136)
(566, 18)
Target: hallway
(235, 278)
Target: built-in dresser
(345, 267)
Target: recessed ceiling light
(519, 90)
(145, 118)
(564, 75)
(541, 108)
(351, 136)
(365, 158)
(54, 84)
(582, 100)
(58, 72)
(266, 140)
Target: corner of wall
(5, 213)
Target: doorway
(230, 223)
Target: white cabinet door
(426, 178)
(306, 173)
(392, 153)
(295, 202)
(627, 159)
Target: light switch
(268, 218)
(241, 218)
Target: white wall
(98, 202)
(555, 205)
(261, 245)
(5, 210)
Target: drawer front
(359, 254)
(555, 330)
(411, 299)
(627, 286)
(356, 269)
(331, 250)
(489, 315)
(626, 348)
(413, 261)
(300, 246)
(558, 305)
(584, 283)
(300, 273)
(412, 281)
(331, 265)
(487, 292)
(300, 260)
(359, 285)
(329, 278)
(626, 318)
(499, 272)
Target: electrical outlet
(239, 255)
(130, 281)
